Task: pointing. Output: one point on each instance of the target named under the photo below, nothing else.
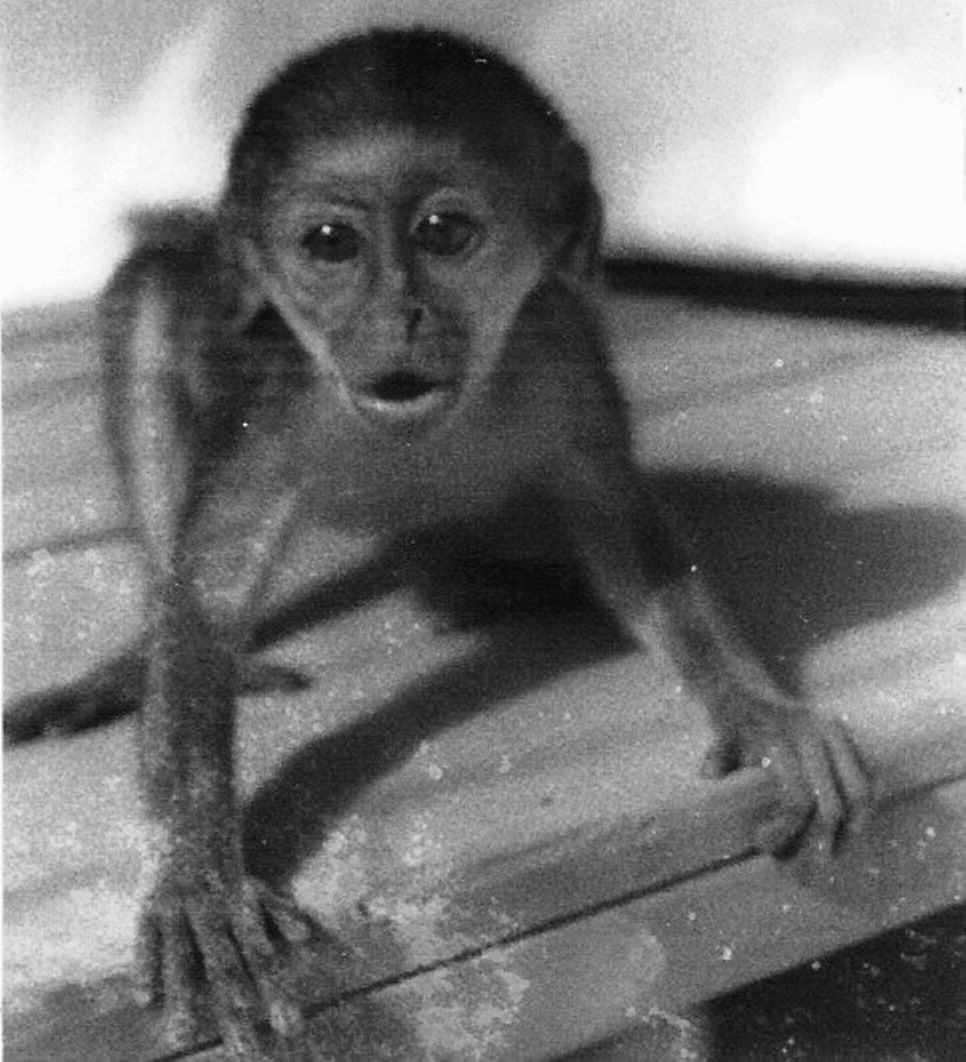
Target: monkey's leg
(826, 787)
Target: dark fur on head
(426, 81)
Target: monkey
(389, 323)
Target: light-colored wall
(809, 133)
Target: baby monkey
(387, 325)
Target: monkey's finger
(253, 927)
(795, 806)
(260, 953)
(829, 807)
(242, 1037)
(266, 971)
(179, 963)
(149, 979)
(237, 1004)
(295, 925)
(854, 778)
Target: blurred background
(810, 136)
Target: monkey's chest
(391, 489)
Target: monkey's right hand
(219, 944)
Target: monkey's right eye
(331, 242)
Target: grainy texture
(820, 467)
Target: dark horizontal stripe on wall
(931, 305)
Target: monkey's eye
(333, 241)
(445, 233)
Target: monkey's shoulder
(178, 250)
(174, 274)
(560, 378)
(180, 227)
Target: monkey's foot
(211, 948)
(109, 691)
(827, 792)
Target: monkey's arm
(211, 521)
(616, 528)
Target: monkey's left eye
(332, 242)
(445, 234)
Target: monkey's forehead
(391, 164)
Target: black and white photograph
(484, 530)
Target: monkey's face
(401, 265)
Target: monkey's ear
(579, 257)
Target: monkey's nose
(413, 321)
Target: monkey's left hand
(827, 790)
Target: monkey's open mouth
(403, 397)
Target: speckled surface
(818, 465)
